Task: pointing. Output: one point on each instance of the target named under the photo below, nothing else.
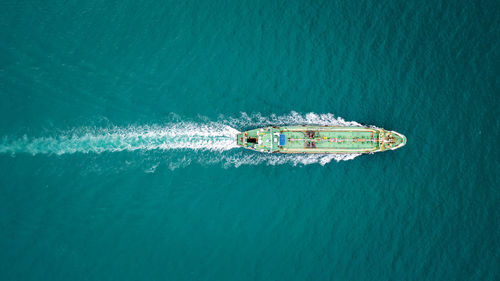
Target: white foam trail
(194, 136)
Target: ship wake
(178, 143)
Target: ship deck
(311, 139)
(347, 140)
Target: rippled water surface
(118, 160)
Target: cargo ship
(320, 139)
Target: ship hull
(309, 139)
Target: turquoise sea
(117, 157)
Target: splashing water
(251, 158)
(294, 118)
(216, 138)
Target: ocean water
(117, 153)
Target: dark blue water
(117, 157)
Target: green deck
(320, 139)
